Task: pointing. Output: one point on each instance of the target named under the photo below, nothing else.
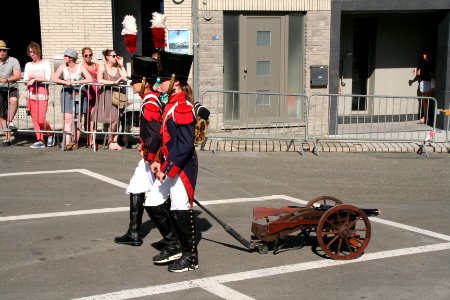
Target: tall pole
(195, 47)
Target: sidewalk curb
(323, 146)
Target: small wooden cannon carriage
(343, 231)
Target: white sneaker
(51, 141)
(38, 145)
(12, 127)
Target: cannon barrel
(370, 212)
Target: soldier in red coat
(177, 170)
(143, 75)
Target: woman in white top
(35, 74)
(72, 76)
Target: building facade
(359, 46)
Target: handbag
(119, 99)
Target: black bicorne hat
(173, 63)
(143, 66)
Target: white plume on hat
(129, 25)
(158, 20)
(158, 30)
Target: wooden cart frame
(343, 231)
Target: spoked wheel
(323, 200)
(344, 232)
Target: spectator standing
(10, 73)
(36, 74)
(112, 72)
(425, 73)
(72, 76)
(177, 171)
(93, 91)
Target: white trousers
(173, 187)
(142, 180)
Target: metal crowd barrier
(128, 126)
(370, 118)
(23, 120)
(99, 122)
(256, 117)
(251, 117)
(446, 113)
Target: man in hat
(177, 170)
(10, 73)
(143, 75)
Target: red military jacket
(177, 137)
(150, 125)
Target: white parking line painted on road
(103, 178)
(222, 291)
(214, 282)
(253, 199)
(82, 171)
(39, 172)
(64, 214)
(411, 228)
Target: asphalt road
(60, 211)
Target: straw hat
(3, 45)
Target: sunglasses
(88, 55)
(113, 56)
(3, 50)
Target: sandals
(71, 147)
(114, 146)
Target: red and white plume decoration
(158, 30)
(130, 32)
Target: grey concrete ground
(71, 254)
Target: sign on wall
(179, 41)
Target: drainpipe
(195, 47)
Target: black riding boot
(160, 215)
(185, 226)
(133, 235)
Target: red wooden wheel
(344, 232)
(323, 200)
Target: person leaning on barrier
(35, 74)
(93, 92)
(72, 76)
(143, 76)
(112, 72)
(9, 98)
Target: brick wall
(317, 52)
(317, 44)
(211, 52)
(75, 24)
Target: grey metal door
(262, 67)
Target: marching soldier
(143, 76)
(177, 170)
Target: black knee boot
(160, 215)
(133, 235)
(185, 226)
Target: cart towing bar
(249, 245)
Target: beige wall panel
(267, 5)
